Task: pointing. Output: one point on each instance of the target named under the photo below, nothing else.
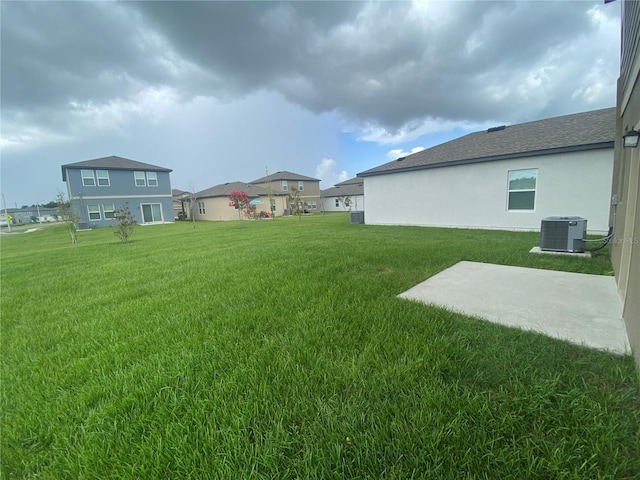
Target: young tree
(69, 217)
(124, 222)
(346, 202)
(240, 201)
(192, 202)
(272, 200)
(295, 203)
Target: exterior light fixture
(630, 139)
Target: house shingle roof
(580, 131)
(351, 181)
(351, 187)
(224, 189)
(284, 175)
(113, 163)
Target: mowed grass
(279, 350)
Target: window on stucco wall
(522, 185)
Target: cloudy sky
(220, 91)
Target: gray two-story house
(97, 187)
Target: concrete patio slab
(583, 309)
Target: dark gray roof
(353, 186)
(351, 181)
(224, 189)
(113, 163)
(580, 131)
(284, 175)
(175, 192)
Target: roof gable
(580, 131)
(225, 189)
(175, 192)
(113, 163)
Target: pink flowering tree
(239, 200)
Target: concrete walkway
(583, 309)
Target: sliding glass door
(151, 212)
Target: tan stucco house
(625, 244)
(213, 203)
(281, 183)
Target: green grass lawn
(279, 350)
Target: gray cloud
(385, 66)
(391, 63)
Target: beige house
(213, 203)
(625, 243)
(281, 185)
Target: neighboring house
(625, 244)
(503, 178)
(32, 214)
(97, 187)
(281, 184)
(181, 203)
(344, 196)
(213, 203)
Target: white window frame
(106, 211)
(152, 177)
(285, 186)
(300, 185)
(201, 208)
(523, 190)
(88, 175)
(94, 211)
(142, 205)
(139, 176)
(337, 202)
(102, 175)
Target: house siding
(121, 183)
(311, 193)
(81, 205)
(218, 209)
(475, 195)
(625, 245)
(121, 189)
(329, 204)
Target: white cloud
(327, 172)
(398, 152)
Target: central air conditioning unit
(563, 234)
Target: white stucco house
(508, 177)
(344, 196)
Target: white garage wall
(475, 195)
